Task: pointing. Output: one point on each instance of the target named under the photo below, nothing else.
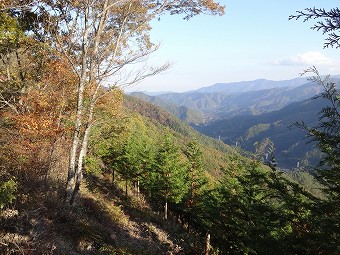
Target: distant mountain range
(291, 149)
(225, 100)
(242, 113)
(245, 86)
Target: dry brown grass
(103, 221)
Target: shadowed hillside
(290, 146)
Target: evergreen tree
(327, 136)
(132, 156)
(170, 174)
(329, 24)
(195, 180)
(135, 160)
(255, 210)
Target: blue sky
(253, 40)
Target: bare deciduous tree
(104, 39)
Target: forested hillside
(85, 169)
(184, 113)
(121, 203)
(292, 152)
(291, 149)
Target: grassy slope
(104, 221)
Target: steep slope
(105, 220)
(214, 151)
(182, 112)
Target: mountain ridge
(204, 107)
(253, 85)
(291, 148)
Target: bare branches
(192, 8)
(4, 102)
(6, 5)
(329, 24)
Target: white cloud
(309, 58)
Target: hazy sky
(253, 40)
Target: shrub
(7, 192)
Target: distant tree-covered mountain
(245, 86)
(291, 150)
(225, 100)
(184, 113)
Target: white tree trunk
(207, 244)
(138, 189)
(166, 209)
(83, 149)
(71, 178)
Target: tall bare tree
(104, 40)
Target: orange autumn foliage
(41, 122)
